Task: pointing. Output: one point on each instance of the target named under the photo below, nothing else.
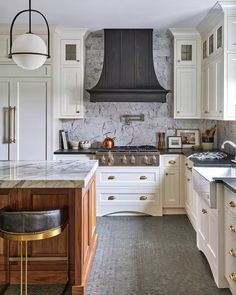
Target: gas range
(144, 155)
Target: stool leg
(21, 269)
(26, 268)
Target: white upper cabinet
(231, 23)
(187, 94)
(4, 48)
(68, 64)
(218, 35)
(186, 52)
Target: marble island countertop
(46, 174)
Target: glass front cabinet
(186, 52)
(70, 52)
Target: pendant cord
(30, 31)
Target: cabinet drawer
(230, 272)
(230, 201)
(172, 161)
(230, 229)
(126, 178)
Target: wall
(103, 119)
(227, 131)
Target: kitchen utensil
(108, 142)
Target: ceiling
(97, 14)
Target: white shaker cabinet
(25, 131)
(4, 48)
(68, 65)
(186, 74)
(231, 24)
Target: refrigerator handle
(14, 124)
(7, 123)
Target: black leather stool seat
(30, 222)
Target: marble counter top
(46, 174)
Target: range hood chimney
(128, 73)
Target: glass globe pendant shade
(26, 45)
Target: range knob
(153, 159)
(145, 160)
(132, 159)
(110, 159)
(124, 160)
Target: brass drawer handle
(111, 177)
(232, 253)
(232, 204)
(190, 169)
(172, 162)
(170, 174)
(111, 198)
(143, 177)
(232, 276)
(204, 211)
(142, 198)
(232, 228)
(189, 179)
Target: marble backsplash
(227, 131)
(103, 119)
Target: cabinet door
(31, 99)
(213, 233)
(203, 220)
(186, 52)
(5, 89)
(172, 188)
(186, 93)
(231, 90)
(71, 93)
(4, 48)
(70, 52)
(205, 91)
(231, 21)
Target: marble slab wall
(103, 119)
(227, 131)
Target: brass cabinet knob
(190, 169)
(142, 198)
(172, 162)
(232, 228)
(232, 276)
(143, 177)
(232, 252)
(77, 112)
(111, 177)
(178, 112)
(204, 211)
(186, 164)
(189, 179)
(111, 198)
(232, 204)
(206, 112)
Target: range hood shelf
(128, 73)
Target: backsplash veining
(227, 131)
(103, 119)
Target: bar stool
(28, 226)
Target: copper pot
(108, 143)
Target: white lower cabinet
(128, 190)
(230, 238)
(190, 194)
(172, 181)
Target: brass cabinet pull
(172, 162)
(206, 112)
(204, 211)
(14, 124)
(232, 228)
(170, 174)
(186, 164)
(190, 169)
(232, 204)
(143, 177)
(111, 198)
(142, 198)
(232, 276)
(111, 177)
(232, 253)
(189, 179)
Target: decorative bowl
(85, 145)
(74, 144)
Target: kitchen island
(34, 186)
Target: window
(70, 51)
(204, 49)
(186, 52)
(211, 44)
(219, 37)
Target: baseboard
(173, 211)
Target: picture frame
(190, 137)
(174, 142)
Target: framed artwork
(174, 142)
(190, 137)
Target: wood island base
(81, 235)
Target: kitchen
(130, 132)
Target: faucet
(230, 143)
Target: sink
(204, 181)
(214, 173)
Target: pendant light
(29, 51)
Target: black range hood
(128, 73)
